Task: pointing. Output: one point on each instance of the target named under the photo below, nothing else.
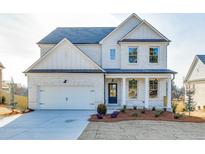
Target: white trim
(158, 62)
(132, 15)
(53, 49)
(149, 25)
(128, 54)
(191, 68)
(127, 89)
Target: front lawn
(139, 114)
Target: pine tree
(189, 103)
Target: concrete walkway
(144, 130)
(45, 125)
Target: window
(132, 55)
(153, 55)
(112, 54)
(153, 88)
(132, 93)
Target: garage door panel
(67, 97)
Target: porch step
(111, 107)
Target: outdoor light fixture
(65, 81)
(112, 80)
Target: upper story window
(153, 88)
(132, 55)
(112, 54)
(153, 55)
(132, 90)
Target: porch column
(123, 99)
(169, 93)
(146, 99)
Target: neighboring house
(1, 68)
(81, 67)
(195, 79)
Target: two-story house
(80, 67)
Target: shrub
(134, 107)
(178, 115)
(3, 100)
(153, 109)
(174, 107)
(165, 109)
(199, 107)
(99, 116)
(135, 114)
(204, 107)
(102, 109)
(143, 110)
(114, 114)
(158, 113)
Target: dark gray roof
(162, 71)
(64, 71)
(144, 40)
(77, 35)
(202, 58)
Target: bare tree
(12, 102)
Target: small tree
(189, 103)
(12, 102)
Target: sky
(20, 32)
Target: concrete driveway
(144, 130)
(45, 125)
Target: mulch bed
(148, 115)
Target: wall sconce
(112, 80)
(65, 81)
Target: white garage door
(59, 97)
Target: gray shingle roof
(77, 35)
(202, 58)
(162, 71)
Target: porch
(141, 90)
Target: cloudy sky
(20, 32)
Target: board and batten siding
(143, 32)
(36, 80)
(66, 56)
(111, 42)
(198, 71)
(143, 56)
(91, 50)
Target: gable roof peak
(202, 58)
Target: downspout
(172, 85)
(104, 89)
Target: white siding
(37, 80)
(111, 42)
(45, 47)
(66, 56)
(199, 96)
(143, 56)
(198, 71)
(143, 32)
(92, 50)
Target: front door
(112, 93)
